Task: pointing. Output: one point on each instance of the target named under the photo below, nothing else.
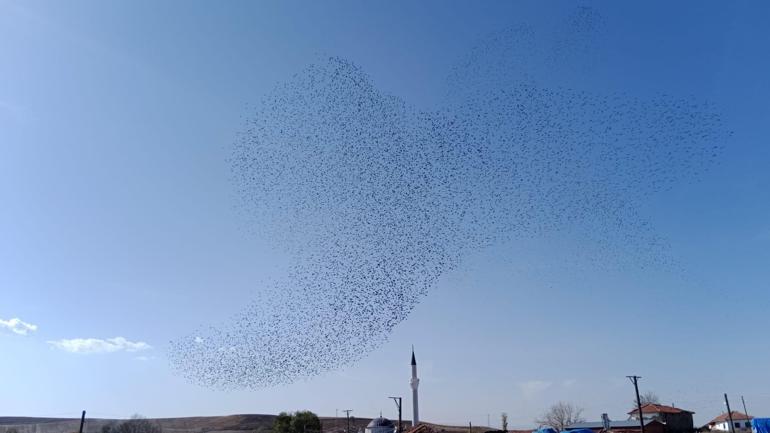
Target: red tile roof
(421, 428)
(737, 416)
(658, 408)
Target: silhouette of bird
(375, 200)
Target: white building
(741, 422)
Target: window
(737, 425)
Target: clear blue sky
(118, 216)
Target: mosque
(384, 425)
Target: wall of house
(725, 426)
(655, 428)
(675, 422)
(678, 422)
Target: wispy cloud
(531, 388)
(97, 345)
(17, 326)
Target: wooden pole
(746, 412)
(729, 414)
(635, 380)
(82, 421)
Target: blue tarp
(546, 430)
(580, 430)
(760, 425)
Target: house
(674, 419)
(741, 422)
(625, 426)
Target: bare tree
(561, 415)
(648, 397)
(137, 424)
(504, 421)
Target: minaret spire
(415, 382)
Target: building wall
(678, 422)
(725, 426)
(655, 428)
(674, 422)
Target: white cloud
(17, 326)
(199, 340)
(533, 387)
(97, 345)
(144, 358)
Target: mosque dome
(380, 425)
(380, 422)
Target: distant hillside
(198, 424)
(201, 424)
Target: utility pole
(347, 414)
(488, 424)
(635, 381)
(470, 427)
(397, 400)
(744, 408)
(82, 421)
(729, 414)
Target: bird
(374, 199)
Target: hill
(199, 424)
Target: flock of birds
(375, 200)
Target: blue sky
(118, 217)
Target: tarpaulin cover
(588, 430)
(545, 430)
(760, 425)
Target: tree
(648, 397)
(305, 422)
(299, 422)
(504, 421)
(137, 424)
(561, 415)
(282, 423)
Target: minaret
(415, 382)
